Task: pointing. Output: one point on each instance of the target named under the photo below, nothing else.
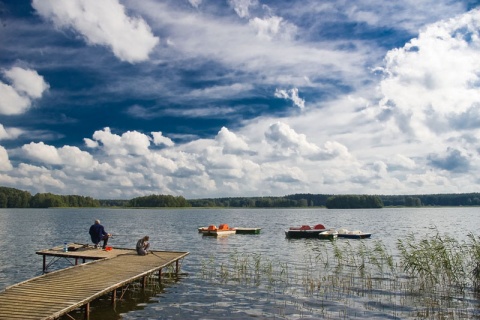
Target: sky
(117, 99)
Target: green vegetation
(435, 277)
(251, 202)
(354, 202)
(158, 201)
(14, 198)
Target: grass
(434, 277)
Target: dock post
(114, 296)
(176, 268)
(144, 282)
(160, 276)
(87, 311)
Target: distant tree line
(113, 203)
(354, 202)
(14, 198)
(158, 201)
(251, 202)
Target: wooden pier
(57, 293)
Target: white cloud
(130, 142)
(42, 152)
(236, 45)
(230, 142)
(273, 27)
(288, 142)
(291, 94)
(11, 102)
(74, 157)
(90, 143)
(195, 3)
(401, 161)
(27, 81)
(9, 133)
(159, 139)
(5, 164)
(102, 22)
(216, 92)
(434, 77)
(26, 85)
(242, 7)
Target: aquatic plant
(434, 277)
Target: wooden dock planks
(54, 294)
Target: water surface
(25, 231)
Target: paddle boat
(356, 234)
(248, 230)
(212, 230)
(330, 234)
(305, 231)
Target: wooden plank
(57, 293)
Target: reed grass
(434, 277)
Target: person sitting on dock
(97, 233)
(143, 246)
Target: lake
(284, 279)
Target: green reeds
(441, 261)
(432, 277)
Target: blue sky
(116, 99)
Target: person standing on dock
(97, 233)
(143, 246)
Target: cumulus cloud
(5, 164)
(74, 157)
(130, 142)
(90, 143)
(440, 69)
(291, 94)
(26, 85)
(42, 152)
(102, 22)
(27, 81)
(230, 142)
(332, 150)
(288, 142)
(159, 139)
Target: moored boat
(212, 230)
(330, 234)
(248, 230)
(305, 231)
(356, 234)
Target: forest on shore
(15, 198)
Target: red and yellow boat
(212, 230)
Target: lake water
(205, 283)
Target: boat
(212, 230)
(305, 231)
(248, 230)
(330, 234)
(356, 234)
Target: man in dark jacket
(97, 233)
